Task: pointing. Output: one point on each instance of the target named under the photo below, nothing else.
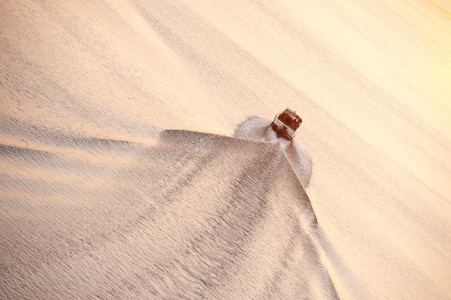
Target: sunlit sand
(137, 161)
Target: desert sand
(124, 173)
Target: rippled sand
(196, 216)
(100, 198)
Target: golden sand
(94, 204)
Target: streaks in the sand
(257, 129)
(196, 216)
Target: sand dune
(176, 220)
(94, 204)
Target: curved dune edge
(199, 216)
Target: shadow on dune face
(198, 216)
(257, 129)
(267, 202)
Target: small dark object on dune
(286, 123)
(282, 131)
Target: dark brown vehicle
(286, 123)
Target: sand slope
(198, 216)
(87, 87)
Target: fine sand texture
(198, 216)
(136, 160)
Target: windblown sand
(120, 176)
